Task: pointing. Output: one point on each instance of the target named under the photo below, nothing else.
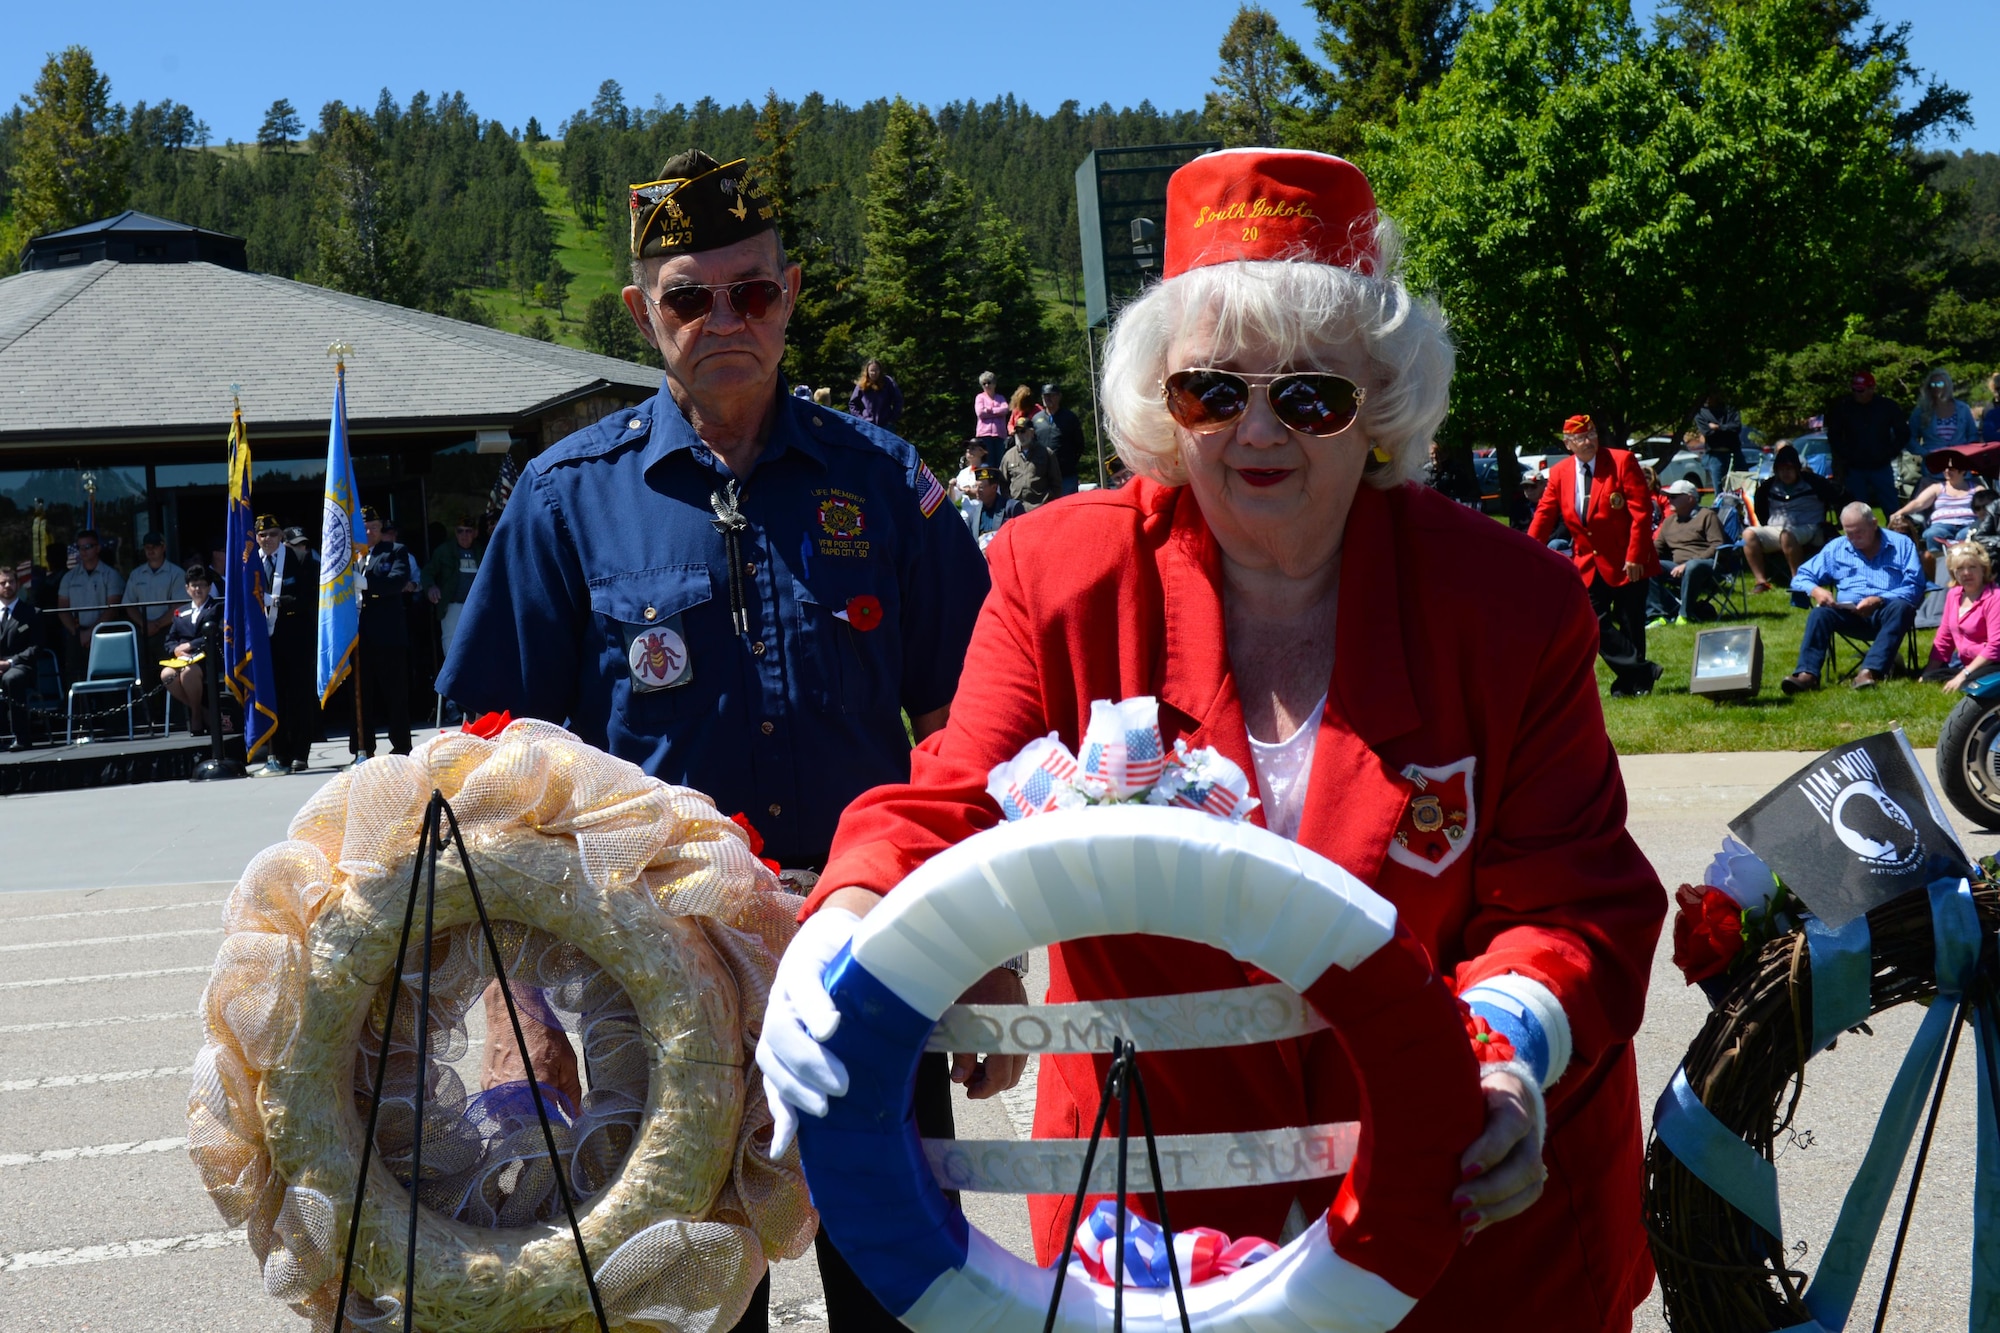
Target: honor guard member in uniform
(389, 572)
(291, 613)
(738, 590)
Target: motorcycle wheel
(1968, 760)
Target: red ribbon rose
(864, 612)
(489, 726)
(1708, 932)
(742, 821)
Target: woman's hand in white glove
(799, 1072)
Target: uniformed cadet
(740, 591)
(388, 573)
(291, 613)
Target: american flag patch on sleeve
(932, 493)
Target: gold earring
(1381, 455)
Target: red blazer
(1113, 594)
(1619, 526)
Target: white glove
(800, 1073)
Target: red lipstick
(1263, 476)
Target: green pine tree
(1258, 85)
(913, 280)
(1380, 53)
(358, 245)
(819, 343)
(1010, 329)
(69, 152)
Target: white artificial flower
(1742, 874)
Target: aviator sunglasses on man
(1311, 402)
(688, 302)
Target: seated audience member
(187, 638)
(1789, 509)
(1877, 584)
(1968, 637)
(20, 640)
(1450, 473)
(988, 508)
(967, 480)
(1949, 504)
(1688, 542)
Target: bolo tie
(729, 521)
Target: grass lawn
(1671, 719)
(578, 250)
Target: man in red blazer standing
(1600, 496)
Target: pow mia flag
(1854, 828)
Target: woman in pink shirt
(989, 412)
(1968, 638)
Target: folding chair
(1732, 600)
(1930, 614)
(114, 669)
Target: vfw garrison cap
(698, 204)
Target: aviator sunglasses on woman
(1311, 402)
(688, 302)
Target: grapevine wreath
(1723, 1267)
(629, 912)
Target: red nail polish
(1469, 1218)
(1461, 1201)
(1473, 1172)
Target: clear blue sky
(229, 59)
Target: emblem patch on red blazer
(1438, 823)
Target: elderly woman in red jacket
(1275, 579)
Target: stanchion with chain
(1122, 1082)
(424, 868)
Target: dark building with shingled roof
(119, 342)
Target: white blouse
(1284, 769)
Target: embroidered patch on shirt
(840, 516)
(658, 656)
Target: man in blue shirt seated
(1877, 582)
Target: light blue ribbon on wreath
(1748, 1182)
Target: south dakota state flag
(246, 642)
(342, 540)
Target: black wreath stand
(430, 844)
(1122, 1084)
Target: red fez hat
(1577, 424)
(1269, 203)
(1863, 380)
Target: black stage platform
(107, 763)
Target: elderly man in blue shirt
(738, 590)
(1877, 583)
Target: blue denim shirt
(1894, 571)
(605, 603)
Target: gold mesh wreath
(656, 887)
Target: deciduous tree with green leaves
(1615, 225)
(69, 152)
(359, 244)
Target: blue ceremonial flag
(342, 540)
(246, 640)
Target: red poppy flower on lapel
(864, 612)
(742, 821)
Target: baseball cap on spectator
(295, 537)
(1577, 424)
(1051, 388)
(991, 474)
(1683, 487)
(1863, 380)
(152, 539)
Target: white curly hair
(1302, 310)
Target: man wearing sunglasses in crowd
(738, 590)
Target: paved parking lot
(109, 917)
